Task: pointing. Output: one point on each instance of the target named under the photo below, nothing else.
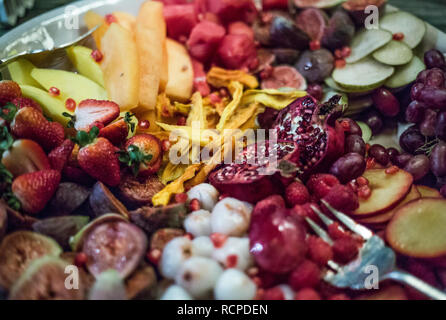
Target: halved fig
(388, 190)
(284, 77)
(17, 220)
(151, 219)
(339, 32)
(285, 34)
(61, 228)
(114, 245)
(102, 201)
(109, 285)
(316, 65)
(18, 249)
(68, 197)
(136, 192)
(77, 241)
(427, 192)
(357, 9)
(417, 229)
(163, 236)
(286, 56)
(313, 22)
(45, 279)
(141, 284)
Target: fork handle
(416, 283)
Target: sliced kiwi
(367, 41)
(412, 27)
(366, 74)
(366, 131)
(395, 53)
(19, 249)
(45, 279)
(406, 74)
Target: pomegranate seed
(189, 236)
(231, 261)
(392, 170)
(154, 256)
(364, 192)
(353, 185)
(370, 163)
(97, 55)
(181, 121)
(338, 54)
(267, 17)
(362, 181)
(252, 272)
(398, 36)
(70, 104)
(194, 205)
(315, 45)
(54, 91)
(144, 124)
(215, 98)
(166, 145)
(218, 239)
(267, 72)
(340, 63)
(180, 198)
(367, 147)
(223, 93)
(80, 260)
(346, 52)
(109, 19)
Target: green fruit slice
(366, 74)
(406, 74)
(336, 87)
(412, 27)
(366, 131)
(395, 53)
(358, 105)
(322, 4)
(367, 41)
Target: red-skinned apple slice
(418, 229)
(427, 192)
(385, 217)
(388, 189)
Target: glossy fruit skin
(348, 167)
(379, 153)
(316, 65)
(339, 32)
(353, 127)
(415, 90)
(435, 78)
(440, 126)
(434, 59)
(285, 34)
(433, 97)
(386, 102)
(374, 120)
(402, 160)
(392, 153)
(415, 112)
(418, 166)
(9, 90)
(427, 126)
(355, 144)
(316, 91)
(411, 140)
(438, 160)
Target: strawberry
(22, 102)
(143, 154)
(77, 175)
(115, 132)
(60, 155)
(25, 156)
(28, 123)
(35, 189)
(98, 157)
(9, 90)
(90, 113)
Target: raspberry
(321, 184)
(306, 275)
(305, 211)
(296, 193)
(21, 103)
(342, 198)
(345, 250)
(307, 294)
(319, 251)
(275, 293)
(340, 296)
(268, 205)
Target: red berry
(275, 293)
(307, 294)
(342, 198)
(392, 170)
(398, 36)
(306, 211)
(180, 198)
(154, 256)
(218, 239)
(165, 144)
(80, 260)
(340, 63)
(315, 45)
(346, 52)
(335, 231)
(296, 194)
(54, 91)
(320, 184)
(144, 124)
(70, 104)
(370, 164)
(306, 275)
(364, 192)
(194, 205)
(181, 121)
(231, 261)
(214, 98)
(97, 55)
(345, 250)
(319, 251)
(110, 18)
(338, 54)
(362, 181)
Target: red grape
(434, 59)
(440, 126)
(386, 102)
(355, 144)
(379, 153)
(433, 97)
(435, 78)
(374, 121)
(415, 91)
(412, 139)
(415, 112)
(418, 166)
(427, 126)
(438, 160)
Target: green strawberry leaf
(72, 118)
(8, 112)
(128, 119)
(133, 158)
(84, 138)
(6, 140)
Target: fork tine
(319, 231)
(349, 223)
(325, 219)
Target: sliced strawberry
(9, 90)
(26, 102)
(99, 113)
(35, 189)
(25, 156)
(29, 123)
(115, 132)
(98, 157)
(60, 155)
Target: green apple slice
(366, 74)
(395, 53)
(322, 4)
(366, 131)
(405, 74)
(412, 27)
(367, 41)
(336, 87)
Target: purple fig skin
(356, 9)
(102, 201)
(339, 32)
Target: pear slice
(406, 74)
(427, 192)
(20, 71)
(412, 27)
(84, 63)
(395, 53)
(367, 41)
(366, 74)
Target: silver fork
(373, 254)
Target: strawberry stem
(8, 112)
(133, 158)
(5, 188)
(84, 138)
(72, 118)
(128, 119)
(6, 140)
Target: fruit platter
(224, 149)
